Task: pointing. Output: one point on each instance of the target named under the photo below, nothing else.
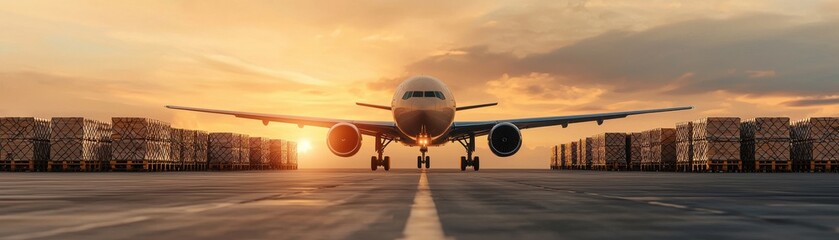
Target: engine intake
(344, 139)
(504, 139)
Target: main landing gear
(423, 159)
(468, 160)
(384, 162)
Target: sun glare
(304, 146)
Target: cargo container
(765, 144)
(716, 144)
(260, 152)
(140, 144)
(24, 143)
(684, 146)
(815, 144)
(79, 144)
(609, 151)
(584, 154)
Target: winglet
(476, 106)
(373, 106)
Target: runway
(404, 204)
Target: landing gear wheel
(476, 164)
(374, 163)
(386, 163)
(427, 162)
(419, 162)
(462, 163)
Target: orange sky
(536, 58)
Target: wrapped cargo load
(716, 144)
(24, 143)
(609, 151)
(553, 163)
(584, 153)
(276, 153)
(223, 148)
(815, 144)
(765, 144)
(141, 144)
(292, 155)
(79, 144)
(176, 145)
(635, 150)
(571, 158)
(684, 146)
(201, 147)
(259, 152)
(661, 153)
(562, 162)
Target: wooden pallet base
(77, 166)
(610, 167)
(228, 166)
(772, 166)
(718, 166)
(22, 166)
(142, 166)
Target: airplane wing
(366, 127)
(463, 129)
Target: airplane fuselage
(423, 110)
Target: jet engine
(344, 139)
(504, 139)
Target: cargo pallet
(815, 166)
(609, 167)
(193, 166)
(76, 166)
(22, 166)
(648, 167)
(229, 166)
(142, 165)
(718, 166)
(263, 166)
(684, 167)
(773, 166)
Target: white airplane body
(424, 115)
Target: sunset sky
(99, 59)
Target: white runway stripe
(423, 222)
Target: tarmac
(413, 204)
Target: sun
(304, 145)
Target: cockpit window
(440, 95)
(407, 95)
(417, 94)
(429, 94)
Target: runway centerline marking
(423, 222)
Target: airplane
(423, 111)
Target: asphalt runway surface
(410, 204)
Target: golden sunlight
(304, 145)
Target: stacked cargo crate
(244, 152)
(276, 154)
(224, 151)
(716, 144)
(571, 159)
(259, 153)
(684, 146)
(187, 150)
(561, 161)
(24, 143)
(79, 144)
(609, 151)
(765, 144)
(584, 154)
(140, 144)
(201, 146)
(176, 146)
(292, 156)
(634, 149)
(554, 163)
(662, 149)
(815, 144)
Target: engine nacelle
(344, 139)
(504, 139)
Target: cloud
(757, 55)
(232, 64)
(813, 102)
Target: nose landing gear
(423, 159)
